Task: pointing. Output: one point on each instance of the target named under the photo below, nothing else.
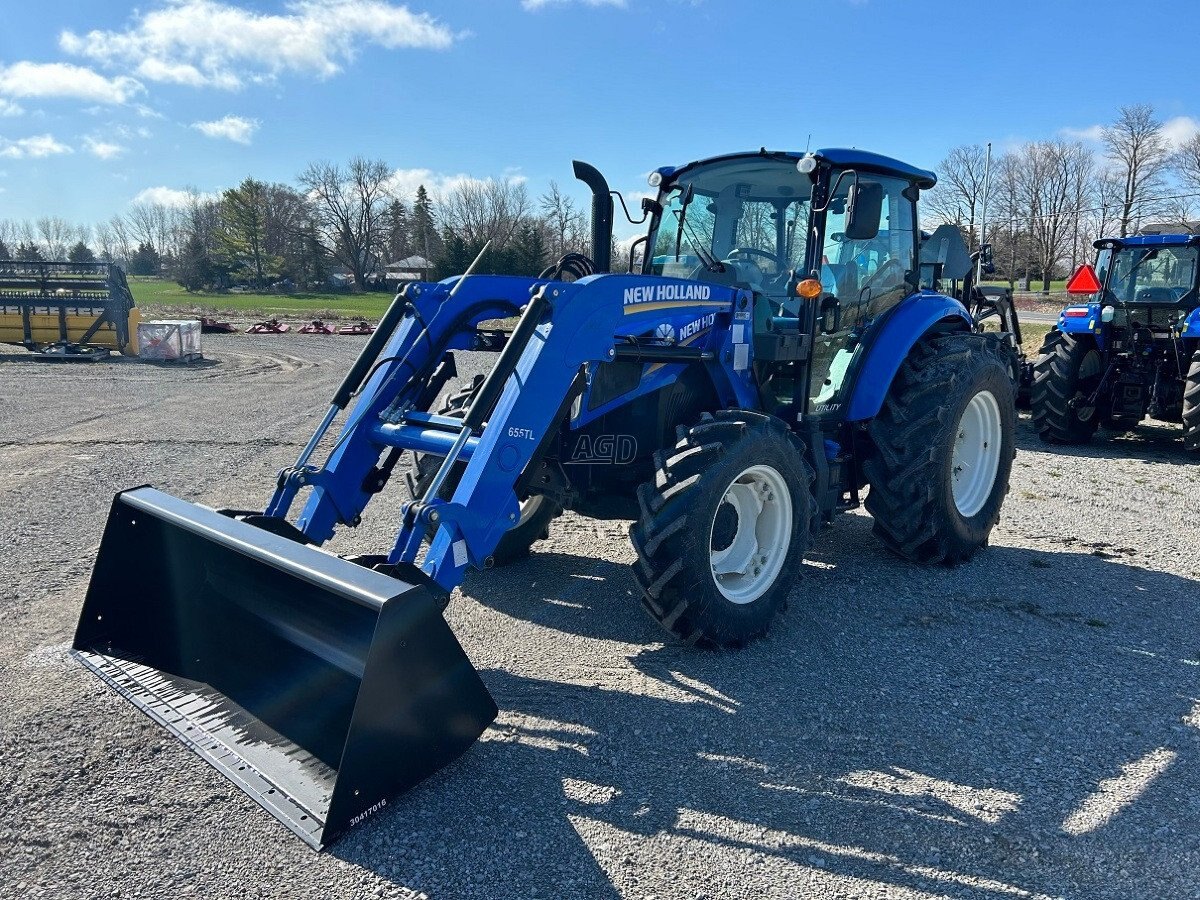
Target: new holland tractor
(770, 360)
(1131, 350)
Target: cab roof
(1149, 240)
(837, 156)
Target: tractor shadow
(1150, 442)
(940, 730)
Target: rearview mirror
(864, 209)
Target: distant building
(1170, 228)
(411, 268)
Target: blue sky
(102, 105)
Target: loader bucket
(320, 688)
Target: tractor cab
(1139, 274)
(827, 240)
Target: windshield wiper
(710, 261)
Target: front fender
(897, 335)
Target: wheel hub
(975, 460)
(751, 533)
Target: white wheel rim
(529, 508)
(749, 564)
(976, 457)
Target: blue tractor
(1131, 349)
(771, 358)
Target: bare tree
(349, 206)
(959, 192)
(566, 227)
(1049, 176)
(55, 235)
(122, 239)
(1139, 155)
(479, 211)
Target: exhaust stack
(602, 214)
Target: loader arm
(565, 327)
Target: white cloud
(231, 128)
(1092, 133)
(8, 108)
(32, 147)
(63, 80)
(167, 196)
(218, 44)
(541, 4)
(102, 149)
(1180, 130)
(1177, 131)
(403, 183)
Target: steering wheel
(891, 267)
(754, 251)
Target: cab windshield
(1150, 274)
(748, 216)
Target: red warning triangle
(1084, 281)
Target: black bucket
(321, 688)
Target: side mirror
(864, 208)
(831, 314)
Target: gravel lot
(1027, 725)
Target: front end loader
(770, 359)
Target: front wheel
(1191, 405)
(943, 449)
(723, 528)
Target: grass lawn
(156, 296)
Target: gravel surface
(1027, 725)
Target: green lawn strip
(160, 298)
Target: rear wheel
(723, 528)
(537, 511)
(1191, 405)
(1067, 372)
(944, 445)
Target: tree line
(350, 220)
(1048, 200)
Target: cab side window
(870, 276)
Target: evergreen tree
(528, 251)
(145, 261)
(81, 253)
(242, 237)
(194, 268)
(4, 251)
(29, 252)
(397, 243)
(453, 256)
(423, 227)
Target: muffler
(320, 688)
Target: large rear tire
(1191, 405)
(723, 528)
(537, 512)
(1067, 372)
(943, 449)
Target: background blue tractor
(772, 357)
(1131, 350)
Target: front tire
(1066, 374)
(944, 446)
(723, 528)
(1191, 405)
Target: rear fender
(1083, 318)
(1191, 325)
(898, 334)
